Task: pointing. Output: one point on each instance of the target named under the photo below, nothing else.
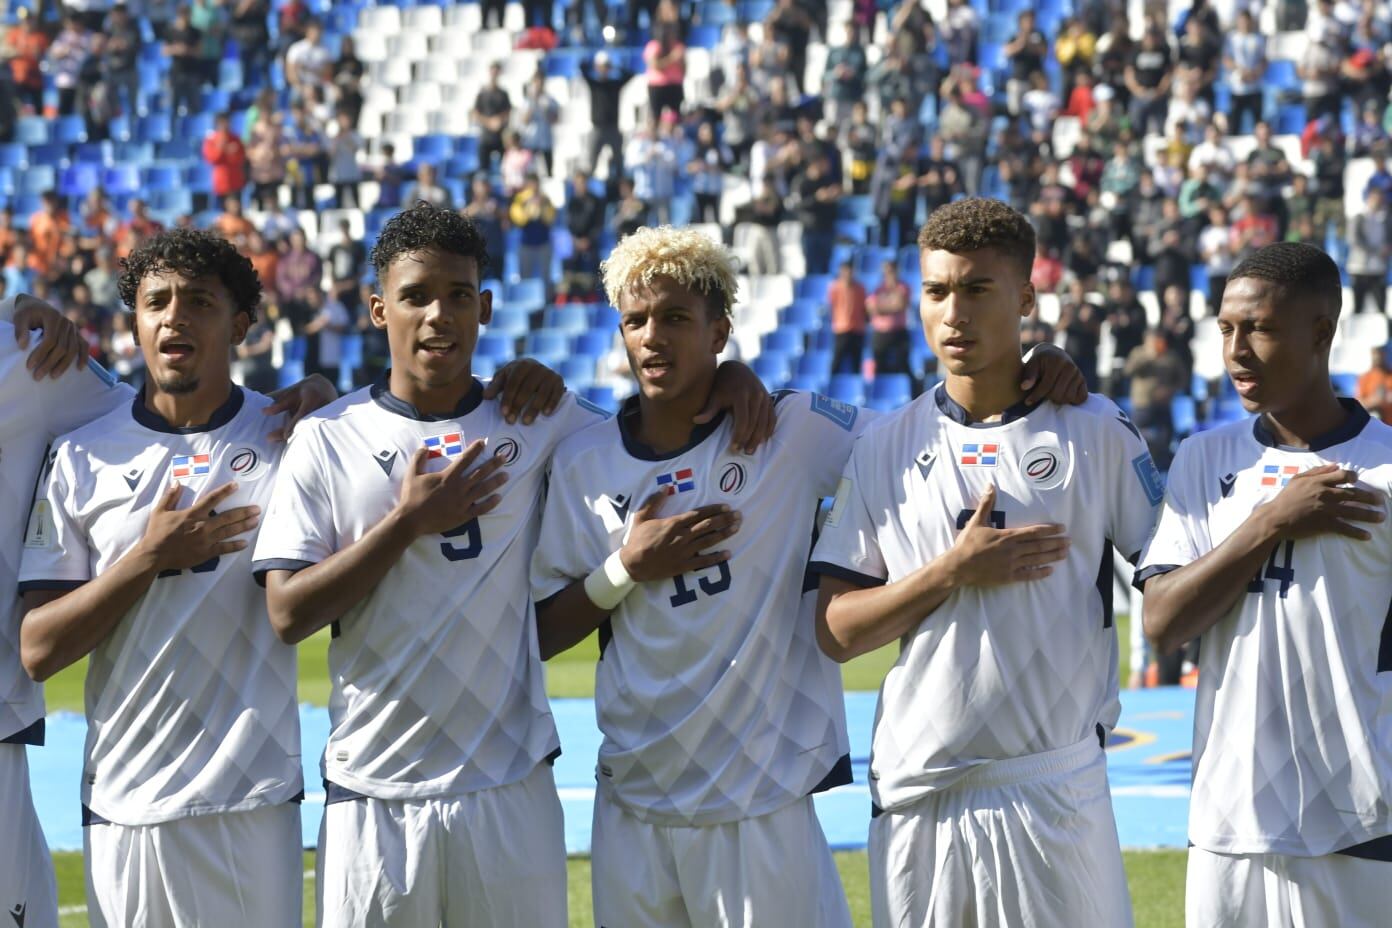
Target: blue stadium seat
(603, 397)
(578, 371)
(530, 294)
(565, 62)
(216, 100)
(498, 347)
(31, 130)
(782, 341)
(350, 358)
(808, 383)
(1227, 409)
(94, 153)
(199, 178)
(123, 179)
(54, 154)
(161, 177)
(894, 390)
(483, 367)
(13, 155)
(569, 319)
(177, 200)
(547, 343)
(1280, 75)
(69, 130)
(7, 181)
(193, 126)
(603, 316)
(1345, 384)
(37, 179)
(433, 148)
(814, 287)
(803, 315)
(1184, 415)
(851, 230)
(462, 165)
(859, 207)
(773, 368)
(848, 388)
(155, 127)
(509, 320)
(595, 343)
(817, 364)
(705, 35)
(230, 75)
(290, 373)
(1290, 119)
(869, 259)
(79, 180)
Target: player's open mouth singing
(655, 368)
(438, 347)
(1245, 382)
(958, 345)
(176, 348)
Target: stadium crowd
(1152, 146)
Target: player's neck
(1298, 426)
(189, 410)
(665, 424)
(430, 401)
(988, 393)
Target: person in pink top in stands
(665, 56)
(889, 314)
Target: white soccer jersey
(438, 686)
(32, 414)
(191, 700)
(714, 700)
(1293, 715)
(1005, 671)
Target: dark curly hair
(193, 253)
(1300, 270)
(975, 223)
(426, 226)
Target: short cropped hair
(685, 256)
(425, 226)
(1300, 270)
(193, 253)
(975, 223)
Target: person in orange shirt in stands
(846, 298)
(47, 227)
(25, 46)
(1375, 386)
(233, 224)
(136, 229)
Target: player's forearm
(301, 603)
(852, 622)
(60, 629)
(566, 619)
(1184, 603)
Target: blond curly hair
(685, 256)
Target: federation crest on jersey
(732, 478)
(1278, 475)
(1044, 467)
(247, 464)
(507, 450)
(678, 481)
(185, 466)
(448, 445)
(977, 454)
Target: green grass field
(1156, 877)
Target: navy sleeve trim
(845, 573)
(49, 586)
(1154, 570)
(34, 735)
(1376, 849)
(334, 793)
(838, 775)
(259, 569)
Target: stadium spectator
(26, 44)
(132, 233)
(1216, 252)
(308, 62)
(846, 301)
(299, 272)
(532, 213)
(894, 193)
(1026, 52)
(1075, 49)
(102, 280)
(1126, 318)
(759, 221)
(711, 160)
(120, 54)
(1370, 247)
(1148, 77)
(304, 140)
(1319, 77)
(843, 80)
(1157, 376)
(264, 258)
(347, 260)
(516, 163)
(345, 168)
(233, 225)
(127, 361)
(584, 210)
(248, 27)
(1244, 59)
(428, 188)
(390, 177)
(183, 45)
(1080, 321)
(65, 59)
(490, 216)
(665, 59)
(48, 227)
(1375, 384)
(791, 26)
(887, 309)
(224, 152)
(653, 157)
(960, 29)
(492, 113)
(605, 84)
(580, 275)
(540, 113)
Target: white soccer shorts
(28, 893)
(1242, 890)
(1029, 842)
(773, 871)
(229, 868)
(494, 858)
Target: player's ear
(241, 324)
(720, 333)
(1027, 300)
(485, 306)
(377, 310)
(1325, 326)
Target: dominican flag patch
(190, 465)
(449, 445)
(1278, 475)
(677, 482)
(979, 455)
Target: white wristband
(609, 583)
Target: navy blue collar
(382, 395)
(628, 421)
(1344, 431)
(153, 421)
(957, 413)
